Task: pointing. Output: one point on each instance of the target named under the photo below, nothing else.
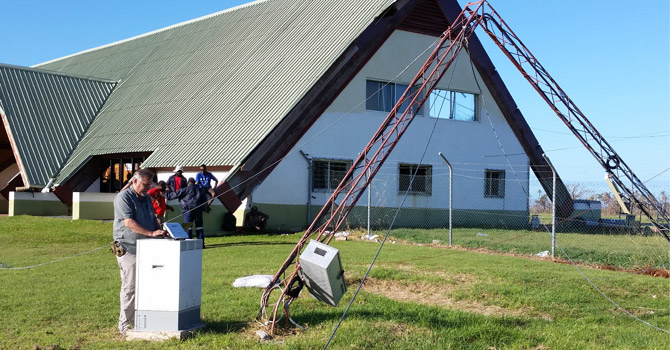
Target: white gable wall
(346, 127)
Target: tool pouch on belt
(117, 249)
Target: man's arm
(216, 181)
(136, 227)
(170, 195)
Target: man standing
(204, 179)
(176, 181)
(134, 219)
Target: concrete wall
(93, 206)
(293, 217)
(346, 127)
(36, 203)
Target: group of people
(195, 195)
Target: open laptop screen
(175, 231)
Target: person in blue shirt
(191, 201)
(204, 180)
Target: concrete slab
(162, 335)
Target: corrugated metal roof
(209, 90)
(47, 113)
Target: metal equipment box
(168, 284)
(322, 272)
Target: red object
(158, 200)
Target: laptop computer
(175, 230)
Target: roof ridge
(53, 72)
(238, 7)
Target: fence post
(553, 205)
(369, 201)
(450, 192)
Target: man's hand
(133, 225)
(158, 233)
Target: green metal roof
(46, 114)
(209, 90)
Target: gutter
(309, 187)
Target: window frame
(330, 182)
(452, 111)
(490, 182)
(427, 182)
(385, 86)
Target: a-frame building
(242, 90)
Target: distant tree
(664, 201)
(578, 191)
(542, 204)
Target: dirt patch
(437, 295)
(540, 347)
(459, 279)
(655, 272)
(281, 332)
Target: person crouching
(191, 201)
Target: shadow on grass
(224, 327)
(433, 320)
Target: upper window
(446, 104)
(494, 184)
(327, 174)
(382, 96)
(422, 183)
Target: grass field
(627, 251)
(418, 297)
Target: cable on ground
(54, 261)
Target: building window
(327, 174)
(382, 96)
(422, 183)
(446, 104)
(116, 172)
(494, 185)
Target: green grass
(456, 299)
(626, 251)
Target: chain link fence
(493, 203)
(511, 213)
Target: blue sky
(610, 56)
